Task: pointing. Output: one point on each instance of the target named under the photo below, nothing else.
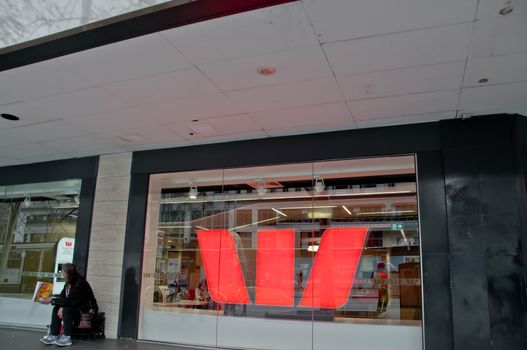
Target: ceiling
(339, 64)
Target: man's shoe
(49, 339)
(64, 340)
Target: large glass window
(37, 234)
(295, 256)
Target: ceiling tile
(4, 99)
(229, 138)
(385, 107)
(158, 145)
(129, 59)
(310, 129)
(174, 85)
(289, 95)
(421, 118)
(145, 136)
(497, 69)
(26, 150)
(444, 76)
(212, 127)
(334, 114)
(191, 108)
(47, 158)
(426, 46)
(233, 124)
(499, 36)
(491, 8)
(250, 33)
(493, 96)
(290, 66)
(40, 80)
(7, 161)
(518, 109)
(37, 133)
(114, 121)
(511, 35)
(12, 162)
(78, 104)
(93, 151)
(91, 144)
(28, 114)
(336, 20)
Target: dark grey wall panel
(483, 197)
(507, 304)
(434, 246)
(84, 219)
(432, 206)
(499, 192)
(133, 257)
(462, 182)
(463, 199)
(470, 312)
(437, 301)
(478, 132)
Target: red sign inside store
(328, 285)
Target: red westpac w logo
(69, 244)
(329, 283)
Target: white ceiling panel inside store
(355, 168)
(338, 64)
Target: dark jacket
(80, 295)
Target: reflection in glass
(34, 218)
(298, 245)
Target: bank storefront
(388, 238)
(370, 238)
(291, 256)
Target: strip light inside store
(254, 223)
(278, 212)
(346, 209)
(387, 212)
(311, 207)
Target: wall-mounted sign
(64, 255)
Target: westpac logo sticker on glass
(329, 282)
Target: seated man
(76, 298)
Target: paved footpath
(20, 339)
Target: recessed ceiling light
(9, 116)
(483, 81)
(266, 70)
(506, 9)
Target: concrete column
(107, 235)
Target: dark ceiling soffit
(57, 170)
(347, 144)
(148, 22)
